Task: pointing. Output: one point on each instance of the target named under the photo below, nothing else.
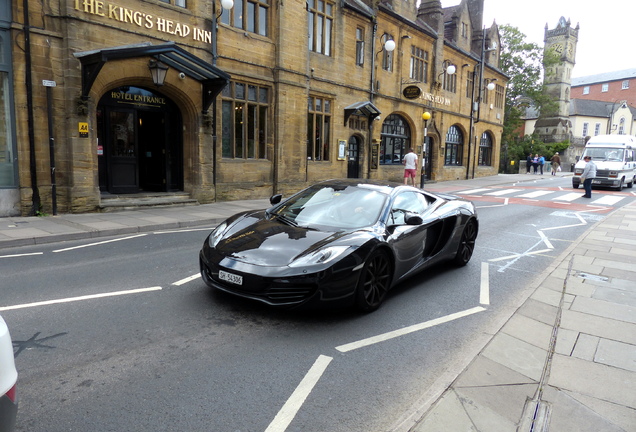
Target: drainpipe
(35, 208)
(371, 97)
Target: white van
(614, 159)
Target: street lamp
(426, 116)
(158, 71)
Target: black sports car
(339, 241)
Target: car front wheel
(466, 244)
(374, 282)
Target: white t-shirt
(410, 161)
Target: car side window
(407, 202)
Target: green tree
(524, 63)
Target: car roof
(383, 186)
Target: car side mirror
(414, 219)
(275, 199)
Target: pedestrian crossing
(547, 194)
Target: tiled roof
(604, 77)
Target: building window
(395, 140)
(244, 121)
(8, 154)
(625, 85)
(318, 129)
(485, 149)
(499, 96)
(586, 90)
(387, 56)
(470, 82)
(586, 127)
(320, 26)
(180, 3)
(454, 146)
(464, 30)
(449, 81)
(597, 129)
(359, 46)
(248, 15)
(419, 64)
(621, 126)
(605, 88)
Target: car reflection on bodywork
(337, 242)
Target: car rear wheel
(374, 282)
(466, 244)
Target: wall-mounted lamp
(491, 85)
(225, 5)
(389, 45)
(158, 71)
(449, 69)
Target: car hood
(269, 242)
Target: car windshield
(348, 207)
(604, 153)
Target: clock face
(557, 47)
(570, 49)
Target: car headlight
(613, 174)
(322, 256)
(217, 234)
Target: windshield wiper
(286, 220)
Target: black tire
(466, 244)
(374, 282)
(621, 185)
(575, 185)
(630, 184)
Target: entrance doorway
(353, 157)
(139, 144)
(428, 157)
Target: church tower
(555, 125)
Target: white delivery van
(614, 159)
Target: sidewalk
(565, 359)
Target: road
(121, 334)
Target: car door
(407, 241)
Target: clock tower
(559, 44)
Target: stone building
(197, 100)
(613, 87)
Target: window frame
(359, 46)
(485, 150)
(248, 16)
(419, 64)
(252, 126)
(454, 150)
(319, 128)
(320, 20)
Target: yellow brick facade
(278, 61)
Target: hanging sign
(83, 129)
(411, 92)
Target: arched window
(485, 149)
(396, 139)
(454, 146)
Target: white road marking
(568, 196)
(99, 243)
(505, 203)
(503, 192)
(186, 280)
(406, 330)
(472, 191)
(608, 200)
(296, 400)
(484, 287)
(21, 255)
(80, 298)
(534, 194)
(184, 230)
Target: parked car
(8, 379)
(337, 242)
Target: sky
(605, 35)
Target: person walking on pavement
(535, 163)
(528, 163)
(541, 163)
(589, 173)
(556, 163)
(410, 166)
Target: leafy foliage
(524, 63)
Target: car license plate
(596, 181)
(229, 277)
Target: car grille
(602, 173)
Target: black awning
(366, 109)
(212, 78)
